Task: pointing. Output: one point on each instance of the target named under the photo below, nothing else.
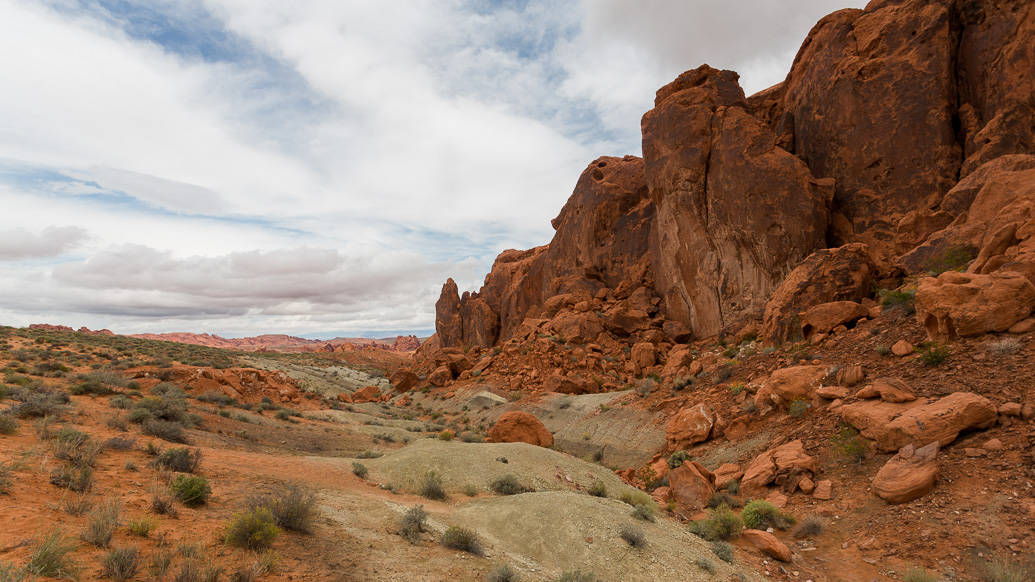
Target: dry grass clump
(508, 485)
(413, 523)
(181, 459)
(252, 529)
(459, 538)
(431, 486)
(104, 520)
(502, 573)
(811, 526)
(51, 557)
(633, 536)
(1006, 346)
(121, 564)
(293, 507)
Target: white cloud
(19, 243)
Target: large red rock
(908, 475)
(888, 390)
(448, 326)
(784, 465)
(691, 485)
(964, 304)
(735, 212)
(918, 423)
(690, 426)
(440, 376)
(366, 394)
(403, 380)
(767, 543)
(789, 384)
(520, 427)
(826, 316)
(842, 274)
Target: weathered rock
(850, 375)
(1023, 326)
(832, 392)
(918, 423)
(679, 358)
(403, 380)
(677, 331)
(366, 394)
(480, 324)
(788, 384)
(902, 348)
(784, 464)
(689, 426)
(448, 326)
(520, 427)
(570, 384)
(826, 316)
(643, 356)
(344, 397)
(577, 328)
(1010, 409)
(965, 304)
(824, 490)
(440, 376)
(841, 274)
(767, 544)
(908, 475)
(717, 256)
(726, 474)
(690, 485)
(888, 390)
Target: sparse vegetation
(578, 576)
(810, 527)
(502, 573)
(181, 459)
(760, 514)
(643, 512)
(8, 424)
(253, 529)
(706, 565)
(1006, 346)
(293, 507)
(635, 497)
(919, 575)
(412, 523)
(431, 486)
(954, 258)
(51, 557)
(934, 353)
(723, 550)
(676, 459)
(359, 469)
(1000, 570)
(850, 444)
(633, 536)
(104, 520)
(507, 485)
(121, 564)
(722, 524)
(459, 538)
(142, 526)
(797, 407)
(191, 490)
(165, 430)
(597, 489)
(903, 300)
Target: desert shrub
(8, 424)
(903, 300)
(161, 560)
(722, 524)
(360, 470)
(40, 403)
(116, 423)
(635, 497)
(77, 504)
(644, 512)
(850, 445)
(459, 538)
(168, 408)
(811, 526)
(1005, 346)
(191, 490)
(369, 455)
(706, 565)
(216, 397)
(507, 485)
(282, 415)
(502, 573)
(446, 435)
(10, 573)
(952, 259)
(5, 477)
(78, 479)
(75, 447)
(168, 390)
(999, 570)
(121, 402)
(759, 514)
(919, 575)
(180, 459)
(633, 536)
(723, 550)
(797, 407)
(165, 430)
(578, 576)
(51, 557)
(120, 443)
(676, 459)
(934, 353)
(412, 523)
(143, 526)
(252, 529)
(121, 564)
(723, 498)
(104, 520)
(162, 501)
(431, 486)
(597, 489)
(90, 387)
(293, 507)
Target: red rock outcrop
(244, 384)
(520, 427)
(785, 465)
(767, 543)
(908, 475)
(691, 485)
(895, 425)
(957, 305)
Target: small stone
(902, 348)
(993, 445)
(1010, 409)
(823, 491)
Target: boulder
(440, 376)
(895, 425)
(344, 397)
(888, 390)
(788, 384)
(570, 384)
(956, 305)
(832, 392)
(850, 375)
(366, 394)
(824, 490)
(826, 316)
(643, 356)
(520, 427)
(784, 465)
(679, 357)
(902, 348)
(577, 328)
(691, 485)
(403, 380)
(767, 543)
(735, 211)
(677, 331)
(908, 475)
(689, 426)
(726, 474)
(841, 274)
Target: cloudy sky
(319, 167)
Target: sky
(320, 167)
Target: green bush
(635, 497)
(191, 490)
(507, 485)
(142, 527)
(723, 550)
(904, 300)
(293, 507)
(850, 445)
(644, 512)
(181, 459)
(722, 524)
(252, 529)
(760, 514)
(121, 564)
(8, 424)
(360, 470)
(676, 459)
(78, 479)
(463, 539)
(51, 557)
(934, 353)
(165, 430)
(121, 402)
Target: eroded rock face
(826, 316)
(735, 212)
(447, 316)
(842, 274)
(366, 394)
(403, 380)
(895, 425)
(909, 475)
(963, 304)
(520, 427)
